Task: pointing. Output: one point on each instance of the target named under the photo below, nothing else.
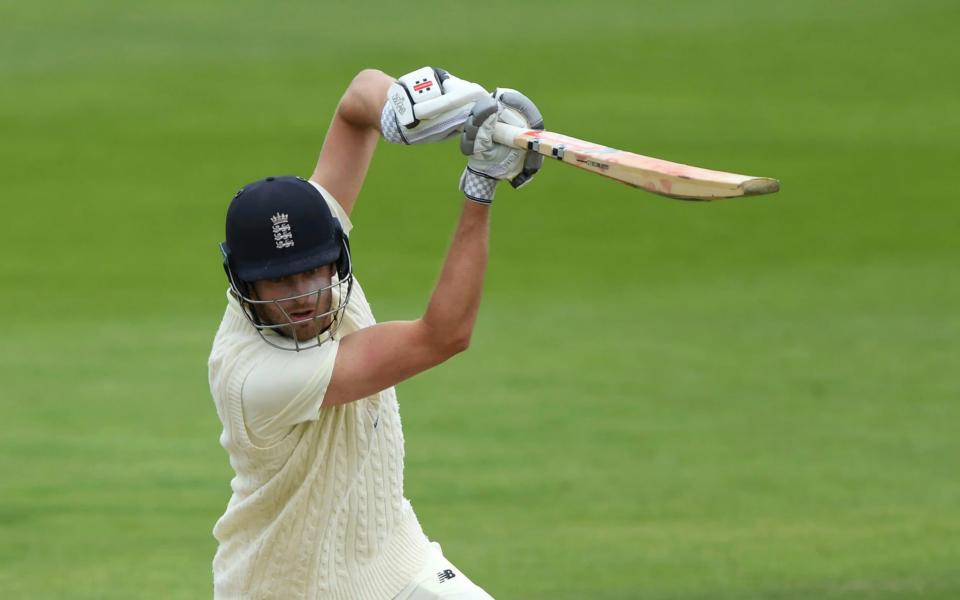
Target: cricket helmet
(280, 226)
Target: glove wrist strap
(389, 128)
(478, 187)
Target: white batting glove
(490, 162)
(427, 105)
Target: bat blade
(662, 177)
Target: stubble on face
(305, 308)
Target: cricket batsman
(302, 375)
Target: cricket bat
(663, 177)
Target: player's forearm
(352, 137)
(453, 307)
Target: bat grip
(508, 135)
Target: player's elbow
(363, 98)
(450, 344)
(459, 343)
(446, 341)
(368, 74)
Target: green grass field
(749, 399)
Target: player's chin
(310, 329)
(305, 331)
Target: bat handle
(509, 135)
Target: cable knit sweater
(319, 513)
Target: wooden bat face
(663, 177)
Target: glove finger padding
(477, 182)
(518, 106)
(519, 103)
(483, 109)
(531, 165)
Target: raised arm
(352, 137)
(383, 355)
(375, 358)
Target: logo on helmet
(281, 231)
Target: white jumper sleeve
(286, 388)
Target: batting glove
(490, 162)
(427, 105)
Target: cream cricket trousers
(440, 580)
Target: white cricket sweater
(320, 513)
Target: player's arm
(377, 357)
(352, 137)
(383, 355)
(426, 105)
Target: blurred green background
(749, 399)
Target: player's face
(303, 309)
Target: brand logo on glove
(423, 86)
(398, 104)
